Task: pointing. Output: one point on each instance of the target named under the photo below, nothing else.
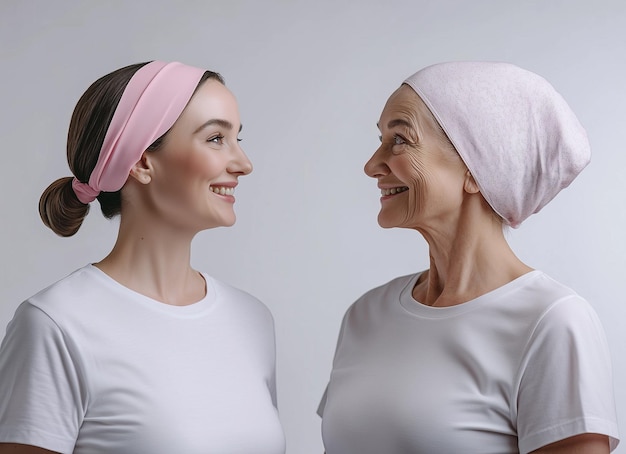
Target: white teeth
(392, 191)
(222, 190)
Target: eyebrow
(402, 122)
(217, 121)
(397, 122)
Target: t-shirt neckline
(133, 296)
(415, 307)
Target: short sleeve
(322, 404)
(342, 328)
(566, 384)
(41, 402)
(272, 379)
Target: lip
(226, 197)
(231, 184)
(387, 197)
(390, 186)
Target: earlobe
(142, 170)
(470, 185)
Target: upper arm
(14, 448)
(579, 444)
(566, 385)
(42, 393)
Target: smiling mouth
(392, 191)
(222, 190)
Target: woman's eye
(217, 139)
(397, 140)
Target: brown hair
(59, 208)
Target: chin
(229, 222)
(217, 223)
(386, 223)
(224, 218)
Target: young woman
(140, 352)
(480, 353)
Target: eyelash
(397, 140)
(216, 139)
(220, 138)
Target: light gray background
(311, 78)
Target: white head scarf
(516, 134)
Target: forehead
(211, 100)
(404, 105)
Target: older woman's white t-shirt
(513, 370)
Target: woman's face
(419, 173)
(195, 172)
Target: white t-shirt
(511, 371)
(88, 366)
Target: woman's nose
(375, 166)
(240, 164)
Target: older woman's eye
(397, 140)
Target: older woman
(480, 353)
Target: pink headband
(151, 103)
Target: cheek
(196, 165)
(418, 179)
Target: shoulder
(545, 287)
(29, 322)
(373, 303)
(59, 308)
(554, 303)
(78, 282)
(560, 321)
(237, 299)
(68, 291)
(389, 290)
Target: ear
(469, 184)
(142, 170)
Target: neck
(154, 261)
(468, 258)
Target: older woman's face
(420, 175)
